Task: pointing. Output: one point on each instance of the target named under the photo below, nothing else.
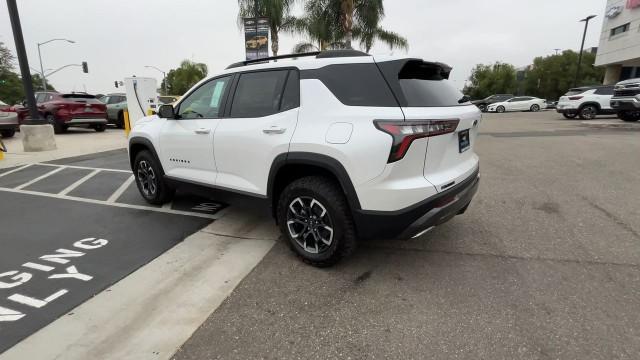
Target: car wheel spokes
(147, 178)
(310, 225)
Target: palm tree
(334, 24)
(278, 12)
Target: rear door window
(258, 94)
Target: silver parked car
(8, 121)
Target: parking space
(73, 227)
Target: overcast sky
(119, 37)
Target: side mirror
(167, 112)
(24, 103)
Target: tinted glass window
(258, 93)
(40, 97)
(291, 96)
(205, 101)
(425, 84)
(355, 84)
(605, 91)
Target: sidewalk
(75, 142)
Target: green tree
(278, 12)
(6, 58)
(36, 80)
(332, 24)
(11, 90)
(550, 77)
(184, 77)
(485, 80)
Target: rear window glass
(417, 83)
(572, 92)
(422, 85)
(354, 84)
(78, 96)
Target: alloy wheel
(147, 179)
(588, 112)
(310, 225)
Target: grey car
(116, 104)
(8, 121)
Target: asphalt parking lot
(71, 228)
(545, 264)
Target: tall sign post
(256, 37)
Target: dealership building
(619, 50)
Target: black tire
(588, 112)
(57, 127)
(569, 115)
(100, 127)
(535, 108)
(7, 133)
(318, 202)
(482, 107)
(629, 116)
(120, 121)
(500, 109)
(150, 179)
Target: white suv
(342, 145)
(586, 102)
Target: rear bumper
(86, 121)
(9, 122)
(414, 220)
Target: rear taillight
(575, 97)
(404, 133)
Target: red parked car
(65, 110)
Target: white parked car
(586, 102)
(335, 142)
(519, 103)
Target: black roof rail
(318, 54)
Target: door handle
(203, 131)
(274, 130)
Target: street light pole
(164, 77)
(584, 36)
(42, 76)
(23, 62)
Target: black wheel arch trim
(590, 103)
(137, 140)
(322, 161)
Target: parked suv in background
(586, 102)
(65, 110)
(626, 100)
(484, 103)
(116, 105)
(342, 145)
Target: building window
(620, 29)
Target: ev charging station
(142, 98)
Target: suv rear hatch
(425, 95)
(84, 106)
